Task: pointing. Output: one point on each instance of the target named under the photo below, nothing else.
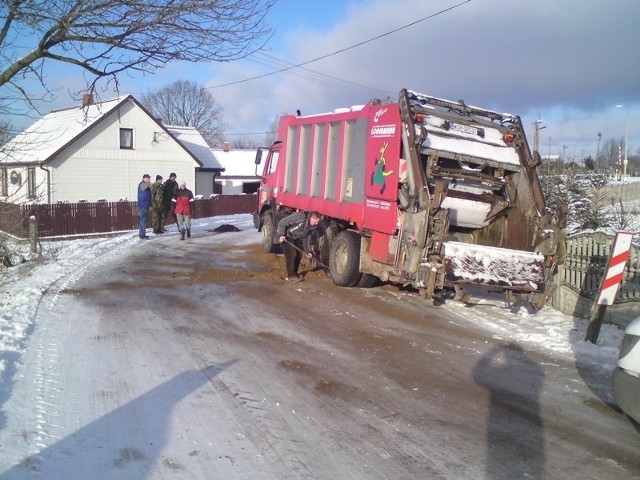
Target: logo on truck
(383, 130)
(378, 114)
(379, 174)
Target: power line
(343, 49)
(315, 76)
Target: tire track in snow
(262, 422)
(263, 427)
(45, 339)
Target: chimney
(87, 99)
(226, 146)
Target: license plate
(479, 132)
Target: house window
(126, 138)
(4, 183)
(31, 182)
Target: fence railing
(77, 219)
(578, 280)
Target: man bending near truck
(293, 232)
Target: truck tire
(268, 231)
(324, 245)
(344, 259)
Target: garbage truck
(423, 192)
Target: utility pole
(619, 169)
(536, 148)
(598, 150)
(549, 158)
(536, 135)
(626, 149)
(626, 142)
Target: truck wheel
(324, 245)
(344, 259)
(268, 231)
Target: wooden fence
(77, 219)
(578, 280)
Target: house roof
(193, 141)
(237, 163)
(45, 138)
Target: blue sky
(567, 63)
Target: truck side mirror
(257, 162)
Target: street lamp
(626, 142)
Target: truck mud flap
(257, 221)
(481, 265)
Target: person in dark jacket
(293, 232)
(169, 191)
(157, 206)
(184, 209)
(144, 202)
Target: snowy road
(193, 360)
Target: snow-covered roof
(237, 163)
(46, 137)
(193, 141)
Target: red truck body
(325, 182)
(400, 183)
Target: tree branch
(109, 37)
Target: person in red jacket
(184, 209)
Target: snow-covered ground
(23, 286)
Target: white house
(239, 174)
(209, 167)
(90, 152)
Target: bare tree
(243, 143)
(272, 135)
(187, 104)
(5, 132)
(107, 38)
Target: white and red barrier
(615, 270)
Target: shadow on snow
(129, 439)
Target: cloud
(543, 59)
(494, 51)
